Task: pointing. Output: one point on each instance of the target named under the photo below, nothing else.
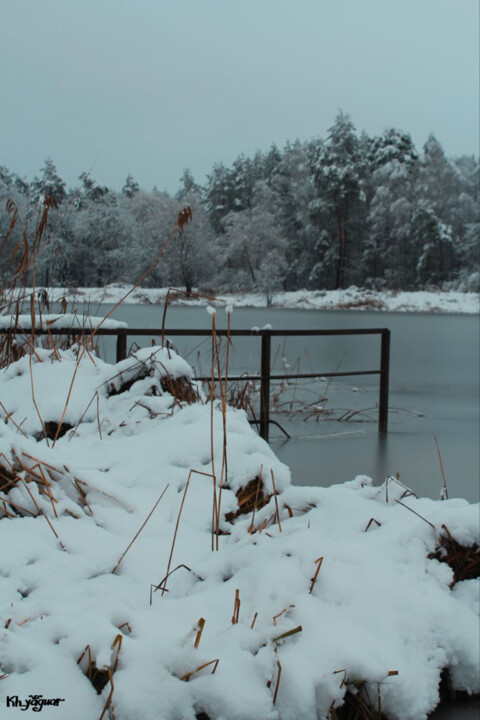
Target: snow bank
(278, 622)
(349, 299)
(58, 322)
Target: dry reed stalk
(49, 491)
(263, 526)
(212, 397)
(127, 625)
(35, 402)
(164, 317)
(319, 562)
(110, 695)
(154, 588)
(200, 626)
(28, 341)
(277, 685)
(372, 520)
(223, 392)
(289, 633)
(41, 462)
(16, 505)
(40, 512)
(181, 292)
(166, 304)
(102, 492)
(236, 608)
(141, 528)
(282, 612)
(74, 430)
(396, 479)
(52, 342)
(251, 526)
(24, 621)
(163, 585)
(344, 671)
(82, 495)
(99, 678)
(8, 417)
(2, 455)
(90, 661)
(253, 621)
(276, 501)
(5, 511)
(444, 494)
(30, 471)
(188, 675)
(98, 416)
(415, 513)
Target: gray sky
(154, 86)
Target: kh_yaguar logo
(33, 702)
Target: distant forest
(345, 210)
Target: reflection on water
(434, 391)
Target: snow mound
(59, 322)
(108, 578)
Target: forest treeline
(345, 210)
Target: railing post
(265, 386)
(121, 345)
(384, 381)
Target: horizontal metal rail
(201, 332)
(265, 375)
(292, 376)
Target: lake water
(434, 391)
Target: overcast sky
(155, 86)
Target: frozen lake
(434, 376)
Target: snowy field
(350, 299)
(113, 603)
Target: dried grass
(357, 702)
(250, 498)
(464, 560)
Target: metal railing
(265, 376)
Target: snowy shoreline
(314, 593)
(349, 299)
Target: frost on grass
(312, 594)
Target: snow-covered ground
(350, 299)
(58, 322)
(315, 590)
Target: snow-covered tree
(434, 241)
(338, 178)
(49, 183)
(389, 253)
(190, 255)
(131, 187)
(253, 246)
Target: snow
(352, 298)
(58, 322)
(378, 605)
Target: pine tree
(131, 187)
(338, 177)
(49, 183)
